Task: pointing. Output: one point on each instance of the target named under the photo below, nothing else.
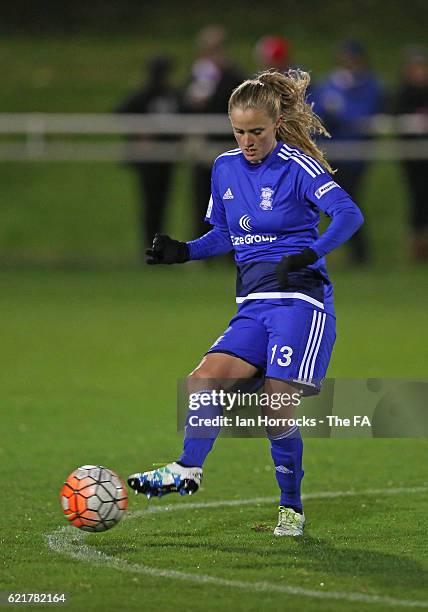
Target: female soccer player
(265, 203)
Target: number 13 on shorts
(282, 355)
(303, 353)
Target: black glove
(165, 250)
(292, 263)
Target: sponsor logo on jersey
(266, 195)
(249, 239)
(228, 194)
(324, 188)
(283, 469)
(245, 223)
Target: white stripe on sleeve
(298, 161)
(312, 163)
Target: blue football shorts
(288, 340)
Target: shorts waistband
(280, 295)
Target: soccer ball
(94, 498)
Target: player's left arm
(346, 218)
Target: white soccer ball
(94, 498)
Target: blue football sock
(287, 451)
(199, 439)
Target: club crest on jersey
(266, 196)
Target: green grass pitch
(90, 360)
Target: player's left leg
(300, 344)
(286, 447)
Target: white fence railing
(155, 137)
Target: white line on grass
(183, 504)
(70, 542)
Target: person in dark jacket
(347, 96)
(412, 99)
(207, 90)
(157, 95)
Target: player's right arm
(165, 250)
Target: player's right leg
(171, 478)
(184, 476)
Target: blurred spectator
(211, 81)
(156, 95)
(348, 95)
(412, 99)
(272, 52)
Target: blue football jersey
(272, 209)
(267, 210)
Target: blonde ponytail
(285, 95)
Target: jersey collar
(265, 162)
